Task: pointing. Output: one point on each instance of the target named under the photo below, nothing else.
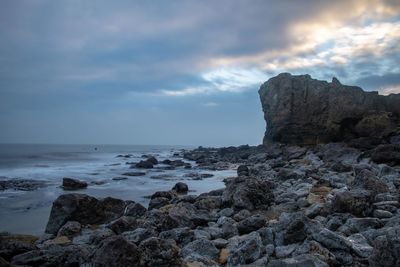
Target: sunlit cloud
(223, 80)
(390, 90)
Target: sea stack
(304, 111)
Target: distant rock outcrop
(302, 110)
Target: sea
(27, 212)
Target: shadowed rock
(302, 110)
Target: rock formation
(302, 110)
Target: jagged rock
(251, 224)
(83, 209)
(181, 235)
(368, 180)
(89, 236)
(228, 227)
(208, 202)
(159, 220)
(73, 184)
(116, 251)
(135, 210)
(295, 231)
(159, 252)
(244, 249)
(158, 202)
(285, 251)
(386, 248)
(241, 215)
(199, 249)
(356, 202)
(70, 229)
(186, 214)
(247, 193)
(122, 224)
(355, 225)
(331, 240)
(360, 246)
(302, 110)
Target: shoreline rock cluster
(321, 204)
(325, 205)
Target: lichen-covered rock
(302, 110)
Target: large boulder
(116, 251)
(83, 209)
(248, 193)
(302, 110)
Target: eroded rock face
(302, 110)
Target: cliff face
(302, 110)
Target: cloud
(390, 90)
(233, 80)
(91, 58)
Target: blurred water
(28, 211)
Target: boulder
(144, 164)
(70, 229)
(368, 180)
(73, 184)
(243, 170)
(388, 153)
(116, 251)
(135, 210)
(386, 248)
(356, 202)
(247, 193)
(181, 235)
(187, 215)
(251, 224)
(159, 252)
(138, 235)
(83, 209)
(180, 188)
(332, 240)
(199, 249)
(301, 110)
(245, 249)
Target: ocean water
(28, 211)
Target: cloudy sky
(177, 72)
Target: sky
(178, 72)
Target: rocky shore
(330, 200)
